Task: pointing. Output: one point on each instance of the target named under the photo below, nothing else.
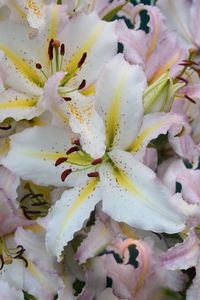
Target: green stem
(59, 2)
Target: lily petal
(183, 255)
(33, 154)
(119, 105)
(9, 293)
(79, 113)
(97, 38)
(133, 194)
(153, 125)
(68, 215)
(18, 106)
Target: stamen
(50, 53)
(190, 99)
(93, 174)
(60, 161)
(65, 174)
(82, 60)
(62, 53)
(182, 79)
(56, 45)
(72, 149)
(76, 142)
(39, 67)
(82, 85)
(97, 161)
(67, 98)
(62, 49)
(8, 127)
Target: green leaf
(109, 16)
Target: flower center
(81, 161)
(56, 53)
(34, 204)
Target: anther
(38, 66)
(76, 142)
(8, 260)
(72, 149)
(182, 79)
(65, 174)
(190, 99)
(6, 127)
(62, 49)
(97, 161)
(67, 98)
(82, 85)
(50, 49)
(60, 160)
(82, 60)
(93, 174)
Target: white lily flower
(27, 267)
(130, 191)
(79, 47)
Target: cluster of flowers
(99, 150)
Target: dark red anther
(50, 49)
(60, 160)
(190, 62)
(190, 99)
(72, 149)
(97, 161)
(62, 49)
(65, 174)
(82, 85)
(67, 98)
(7, 127)
(82, 60)
(93, 174)
(182, 79)
(38, 66)
(76, 142)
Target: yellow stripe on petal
(91, 90)
(87, 47)
(113, 116)
(53, 25)
(38, 274)
(29, 72)
(19, 103)
(83, 196)
(128, 185)
(137, 144)
(73, 158)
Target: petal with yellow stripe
(18, 106)
(69, 213)
(133, 194)
(153, 125)
(33, 154)
(97, 38)
(120, 103)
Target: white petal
(18, 58)
(183, 255)
(18, 106)
(68, 215)
(80, 114)
(33, 154)
(96, 37)
(119, 101)
(153, 125)
(133, 194)
(9, 293)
